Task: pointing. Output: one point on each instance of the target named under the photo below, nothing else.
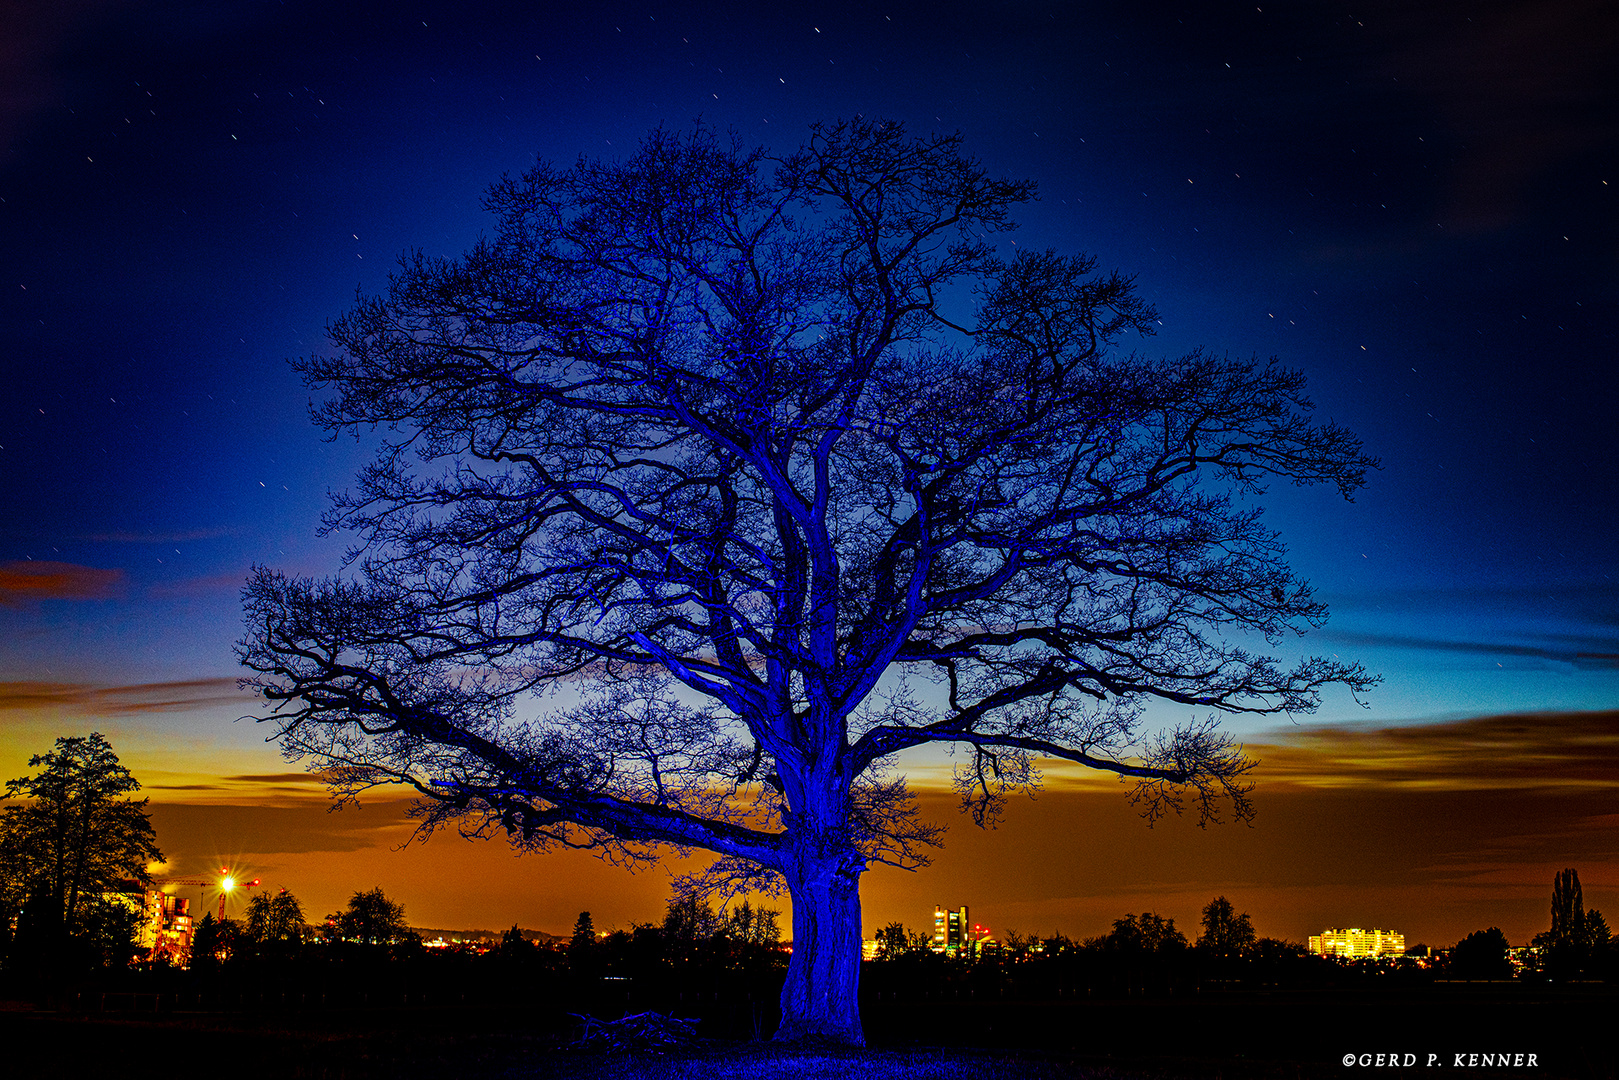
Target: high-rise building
(1356, 944)
(165, 928)
(951, 930)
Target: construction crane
(226, 883)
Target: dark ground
(1236, 1036)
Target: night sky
(1420, 209)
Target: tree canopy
(768, 469)
(1483, 954)
(370, 918)
(74, 841)
(1578, 939)
(275, 919)
(1225, 933)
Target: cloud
(263, 785)
(1604, 656)
(1520, 751)
(85, 700)
(28, 582)
(1575, 750)
(1590, 604)
(202, 786)
(278, 778)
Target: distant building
(1357, 944)
(163, 923)
(951, 930)
(870, 949)
(1524, 957)
(954, 934)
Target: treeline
(692, 942)
(726, 966)
(1149, 955)
(75, 841)
(1144, 954)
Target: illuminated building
(982, 942)
(953, 933)
(165, 932)
(950, 929)
(163, 923)
(1357, 944)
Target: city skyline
(1414, 208)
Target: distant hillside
(429, 933)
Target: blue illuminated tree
(767, 470)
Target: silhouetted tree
(758, 927)
(743, 938)
(893, 941)
(214, 942)
(1483, 954)
(71, 850)
(371, 919)
(1141, 953)
(1226, 935)
(1578, 938)
(745, 442)
(583, 948)
(1148, 932)
(688, 920)
(277, 917)
(1568, 907)
(514, 946)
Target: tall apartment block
(1355, 944)
(950, 929)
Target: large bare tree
(770, 469)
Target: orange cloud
(84, 700)
(28, 582)
(1519, 751)
(280, 790)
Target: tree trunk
(821, 999)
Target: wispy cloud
(29, 582)
(316, 778)
(1596, 654)
(80, 699)
(1518, 751)
(200, 785)
(1594, 603)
